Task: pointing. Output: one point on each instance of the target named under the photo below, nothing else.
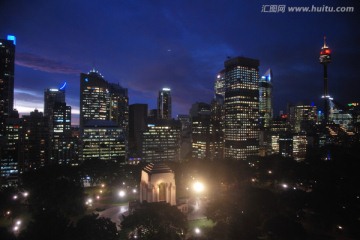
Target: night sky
(148, 45)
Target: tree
(91, 227)
(55, 189)
(155, 221)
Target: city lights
(198, 187)
(122, 193)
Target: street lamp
(122, 193)
(198, 187)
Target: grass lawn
(203, 223)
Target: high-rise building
(94, 97)
(103, 101)
(60, 134)
(35, 141)
(201, 130)
(52, 96)
(241, 133)
(119, 106)
(10, 154)
(217, 128)
(265, 99)
(7, 62)
(103, 140)
(164, 104)
(219, 85)
(137, 125)
(58, 115)
(161, 141)
(303, 117)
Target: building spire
(325, 46)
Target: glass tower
(241, 133)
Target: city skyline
(146, 47)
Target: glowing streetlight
(122, 193)
(25, 194)
(198, 187)
(197, 231)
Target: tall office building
(303, 117)
(58, 115)
(10, 153)
(60, 134)
(265, 99)
(219, 85)
(52, 96)
(35, 141)
(119, 106)
(137, 125)
(7, 62)
(241, 133)
(164, 104)
(94, 97)
(103, 101)
(103, 140)
(201, 130)
(161, 141)
(217, 128)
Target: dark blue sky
(147, 45)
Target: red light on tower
(325, 54)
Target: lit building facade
(103, 101)
(217, 128)
(158, 184)
(52, 96)
(35, 141)
(219, 85)
(161, 141)
(59, 124)
(241, 133)
(103, 140)
(265, 99)
(164, 104)
(302, 117)
(60, 134)
(7, 63)
(10, 151)
(94, 97)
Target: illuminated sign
(63, 86)
(11, 38)
(166, 89)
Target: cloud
(44, 64)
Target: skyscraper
(201, 130)
(265, 99)
(103, 101)
(94, 97)
(51, 96)
(241, 134)
(137, 125)
(164, 104)
(219, 85)
(7, 60)
(103, 140)
(58, 115)
(161, 141)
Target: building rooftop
(153, 168)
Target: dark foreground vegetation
(263, 198)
